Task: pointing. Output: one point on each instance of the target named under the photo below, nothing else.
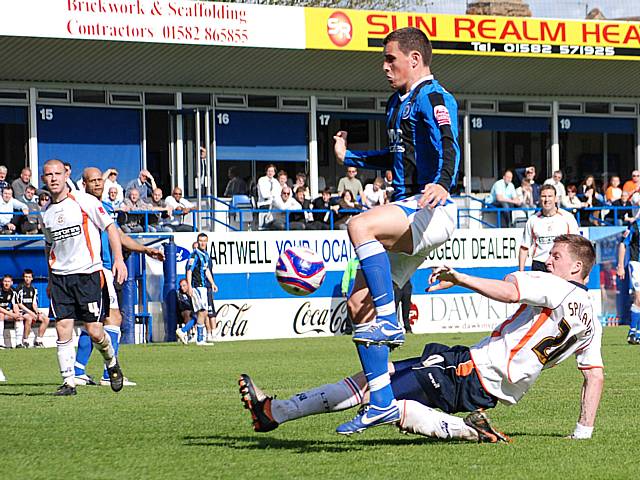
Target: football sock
(200, 333)
(422, 420)
(332, 397)
(106, 350)
(189, 325)
(114, 333)
(85, 347)
(376, 269)
(635, 320)
(66, 359)
(19, 327)
(374, 360)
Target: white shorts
(199, 299)
(634, 275)
(430, 228)
(111, 289)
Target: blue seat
(243, 217)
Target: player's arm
(191, 265)
(590, 399)
(119, 268)
(622, 250)
(209, 276)
(367, 159)
(134, 246)
(522, 257)
(505, 291)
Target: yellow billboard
(359, 30)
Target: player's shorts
(77, 296)
(430, 228)
(443, 377)
(211, 309)
(634, 275)
(110, 287)
(200, 299)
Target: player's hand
(119, 271)
(215, 288)
(433, 195)
(442, 278)
(620, 271)
(340, 147)
(154, 253)
(190, 290)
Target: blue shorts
(211, 309)
(443, 377)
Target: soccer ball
(300, 271)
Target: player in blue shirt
(631, 241)
(94, 185)
(392, 240)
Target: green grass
(184, 420)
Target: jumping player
(72, 226)
(94, 185)
(542, 228)
(28, 306)
(424, 155)
(554, 321)
(631, 241)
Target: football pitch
(185, 420)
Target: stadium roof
(145, 64)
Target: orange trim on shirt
(498, 331)
(52, 257)
(478, 374)
(465, 369)
(85, 226)
(544, 316)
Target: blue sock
(189, 325)
(85, 347)
(374, 359)
(200, 333)
(376, 269)
(114, 333)
(635, 320)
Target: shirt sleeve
(541, 289)
(192, 263)
(573, 224)
(368, 159)
(95, 211)
(440, 116)
(527, 235)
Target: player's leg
(2, 341)
(19, 328)
(189, 320)
(200, 305)
(211, 317)
(85, 348)
(63, 311)
(634, 327)
(44, 324)
(29, 319)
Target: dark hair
(548, 186)
(571, 188)
(282, 172)
(7, 276)
(27, 271)
(67, 164)
(271, 165)
(300, 189)
(411, 39)
(201, 235)
(507, 170)
(345, 191)
(580, 249)
(326, 190)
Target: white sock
(19, 326)
(66, 360)
(105, 347)
(332, 397)
(422, 420)
(2, 331)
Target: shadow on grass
(26, 394)
(5, 385)
(536, 434)
(298, 445)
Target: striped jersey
(28, 296)
(541, 230)
(631, 241)
(199, 262)
(422, 129)
(554, 321)
(72, 231)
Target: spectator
(632, 186)
(43, 200)
(503, 195)
(589, 194)
(622, 217)
(279, 206)
(236, 185)
(301, 181)
(67, 170)
(180, 207)
(133, 222)
(110, 178)
(9, 310)
(21, 183)
(528, 174)
(185, 305)
(345, 209)
(525, 193)
(374, 194)
(27, 300)
(283, 179)
(112, 199)
(572, 203)
(613, 192)
(159, 220)
(556, 181)
(8, 221)
(145, 184)
(322, 219)
(31, 223)
(388, 183)
(3, 178)
(350, 182)
(268, 187)
(303, 218)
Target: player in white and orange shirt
(72, 225)
(542, 228)
(554, 321)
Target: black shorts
(211, 309)
(444, 377)
(77, 296)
